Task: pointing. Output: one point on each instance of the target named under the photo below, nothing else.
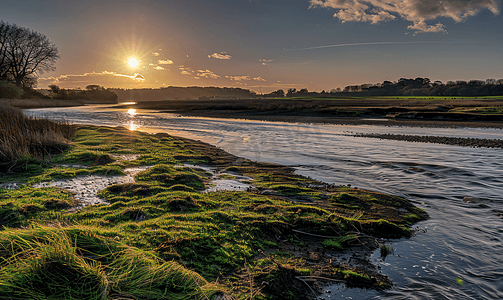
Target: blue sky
(265, 45)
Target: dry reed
(26, 137)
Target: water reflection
(132, 126)
(131, 112)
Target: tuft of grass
(385, 250)
(79, 263)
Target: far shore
(417, 112)
(377, 112)
(375, 121)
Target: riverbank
(383, 111)
(271, 240)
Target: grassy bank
(162, 238)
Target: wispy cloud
(165, 62)
(156, 67)
(266, 62)
(379, 43)
(185, 70)
(207, 74)
(221, 55)
(415, 11)
(238, 78)
(155, 54)
(104, 78)
(244, 78)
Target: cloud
(186, 70)
(415, 11)
(159, 68)
(165, 62)
(105, 78)
(207, 74)
(384, 43)
(139, 77)
(266, 62)
(221, 55)
(238, 78)
(258, 79)
(155, 54)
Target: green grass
(491, 110)
(161, 238)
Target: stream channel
(456, 254)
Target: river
(456, 254)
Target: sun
(133, 62)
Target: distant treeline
(92, 93)
(408, 87)
(183, 93)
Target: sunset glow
(336, 44)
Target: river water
(456, 254)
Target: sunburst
(133, 62)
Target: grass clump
(79, 263)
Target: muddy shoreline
(370, 120)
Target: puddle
(121, 157)
(9, 185)
(86, 188)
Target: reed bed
(23, 137)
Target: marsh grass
(77, 263)
(24, 141)
(161, 238)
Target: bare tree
(4, 63)
(24, 54)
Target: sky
(264, 45)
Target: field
(162, 237)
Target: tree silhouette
(24, 54)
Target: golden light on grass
(133, 62)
